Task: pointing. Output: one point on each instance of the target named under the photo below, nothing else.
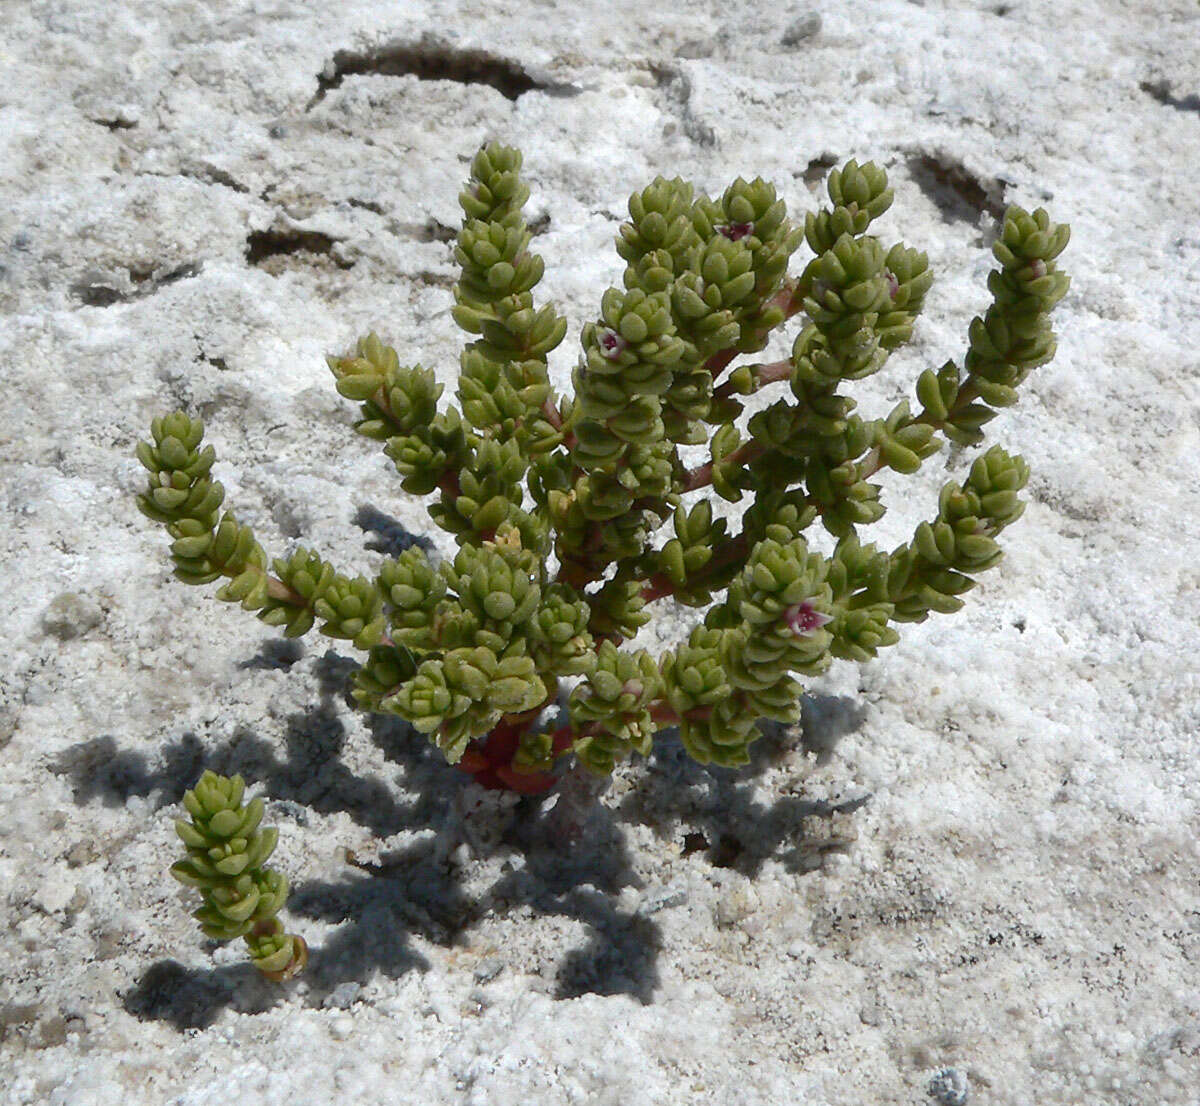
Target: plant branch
(785, 298)
(660, 585)
(449, 484)
(702, 476)
(662, 711)
(727, 553)
(277, 589)
(719, 362)
(770, 372)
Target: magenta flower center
(611, 344)
(804, 618)
(735, 231)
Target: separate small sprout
(227, 851)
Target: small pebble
(488, 969)
(108, 944)
(18, 1013)
(71, 615)
(801, 28)
(735, 905)
(286, 808)
(949, 1087)
(344, 995)
(8, 724)
(661, 898)
(54, 894)
(341, 1027)
(51, 1032)
(870, 1015)
(696, 48)
(82, 852)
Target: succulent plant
(574, 515)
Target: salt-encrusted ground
(200, 200)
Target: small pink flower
(892, 283)
(611, 344)
(804, 618)
(736, 231)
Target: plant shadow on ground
(391, 536)
(715, 810)
(566, 858)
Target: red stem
(719, 362)
(771, 372)
(701, 476)
(552, 414)
(784, 298)
(277, 589)
(490, 758)
(660, 583)
(662, 711)
(449, 484)
(555, 419)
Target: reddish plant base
(489, 760)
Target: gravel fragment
(803, 27)
(949, 1087)
(71, 615)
